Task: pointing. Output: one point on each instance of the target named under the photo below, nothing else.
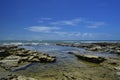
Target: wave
(25, 44)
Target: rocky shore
(82, 67)
(12, 57)
(96, 47)
(109, 63)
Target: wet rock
(41, 58)
(8, 46)
(90, 58)
(112, 64)
(25, 78)
(63, 44)
(117, 75)
(46, 58)
(96, 48)
(21, 49)
(19, 53)
(117, 68)
(11, 56)
(10, 61)
(70, 76)
(23, 59)
(4, 53)
(118, 52)
(71, 53)
(33, 59)
(15, 77)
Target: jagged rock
(90, 58)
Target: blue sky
(59, 19)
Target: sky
(59, 19)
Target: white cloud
(95, 24)
(74, 22)
(55, 33)
(68, 22)
(43, 29)
(77, 21)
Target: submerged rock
(90, 58)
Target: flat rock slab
(90, 58)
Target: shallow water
(65, 63)
(61, 52)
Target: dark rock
(70, 52)
(4, 53)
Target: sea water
(64, 60)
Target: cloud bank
(58, 29)
(43, 29)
